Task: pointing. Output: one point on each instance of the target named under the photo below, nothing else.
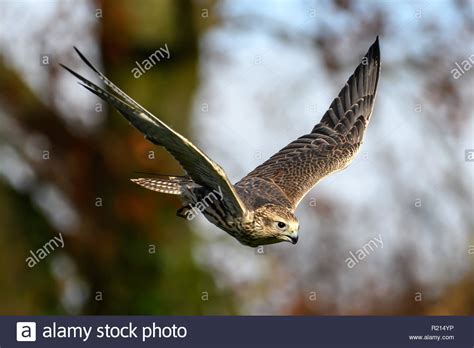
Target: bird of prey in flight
(259, 209)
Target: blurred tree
(127, 253)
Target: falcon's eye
(281, 225)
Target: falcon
(259, 209)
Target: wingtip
(376, 42)
(85, 60)
(375, 49)
(66, 68)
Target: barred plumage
(170, 184)
(259, 209)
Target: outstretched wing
(332, 143)
(200, 168)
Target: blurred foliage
(131, 255)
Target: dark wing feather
(200, 168)
(332, 143)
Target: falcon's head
(274, 224)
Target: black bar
(239, 331)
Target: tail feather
(168, 184)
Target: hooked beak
(291, 235)
(294, 239)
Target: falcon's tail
(165, 184)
